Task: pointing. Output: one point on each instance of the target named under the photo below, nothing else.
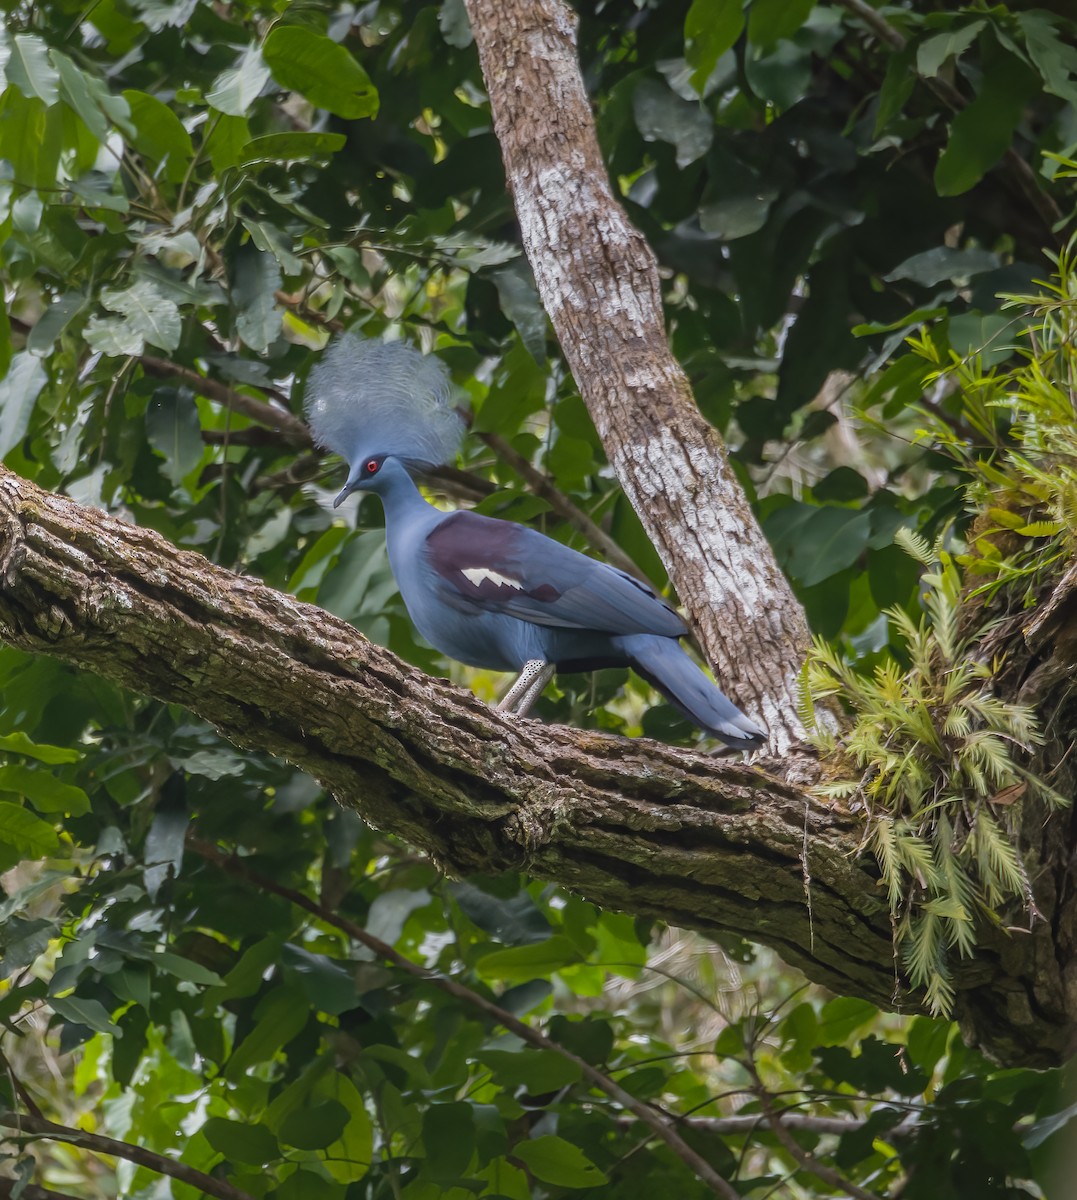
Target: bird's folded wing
(496, 566)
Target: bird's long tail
(662, 662)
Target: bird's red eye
(372, 466)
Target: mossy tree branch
(632, 825)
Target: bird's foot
(534, 677)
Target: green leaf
(235, 90)
(841, 485)
(146, 316)
(534, 961)
(710, 29)
(590, 1039)
(770, 20)
(157, 14)
(91, 1013)
(874, 1068)
(173, 430)
(932, 267)
(19, 743)
(934, 51)
(515, 921)
(185, 968)
(992, 337)
(898, 84)
(315, 1126)
(348, 1158)
(521, 304)
(841, 1017)
(225, 141)
(892, 576)
(245, 977)
(1055, 58)
(97, 190)
(449, 1139)
(54, 321)
(454, 24)
(213, 762)
(329, 987)
(553, 1160)
(279, 1016)
(273, 240)
(5, 341)
(25, 941)
(1041, 529)
(241, 1143)
(321, 70)
(981, 133)
(19, 390)
(160, 135)
(743, 204)
(661, 115)
(1038, 1133)
(290, 147)
(30, 71)
(31, 138)
(44, 791)
(540, 1071)
(27, 833)
(799, 1032)
(831, 539)
(518, 389)
(91, 99)
(257, 279)
(781, 75)
(307, 1185)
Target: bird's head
(372, 473)
(385, 408)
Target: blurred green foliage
(192, 196)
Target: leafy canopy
(192, 197)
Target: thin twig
(809, 1162)
(30, 1191)
(290, 425)
(750, 1122)
(661, 1126)
(17, 1087)
(25, 1123)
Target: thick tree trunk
(598, 280)
(632, 825)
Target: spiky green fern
(932, 760)
(1026, 489)
(932, 757)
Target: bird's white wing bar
(477, 575)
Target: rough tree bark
(599, 283)
(633, 825)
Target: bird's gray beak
(344, 494)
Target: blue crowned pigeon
(492, 593)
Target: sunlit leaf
(321, 70)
